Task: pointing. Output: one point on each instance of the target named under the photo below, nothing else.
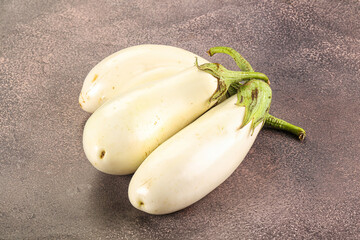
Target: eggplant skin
(126, 129)
(130, 68)
(193, 162)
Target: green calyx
(255, 96)
(227, 77)
(252, 89)
(240, 61)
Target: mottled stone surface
(284, 189)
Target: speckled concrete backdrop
(284, 189)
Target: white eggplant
(201, 156)
(140, 122)
(197, 159)
(129, 68)
(126, 129)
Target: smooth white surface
(130, 68)
(130, 126)
(193, 162)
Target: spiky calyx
(255, 96)
(227, 77)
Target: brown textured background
(284, 189)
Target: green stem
(280, 124)
(234, 77)
(219, 71)
(240, 60)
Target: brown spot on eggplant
(147, 183)
(82, 98)
(102, 154)
(95, 77)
